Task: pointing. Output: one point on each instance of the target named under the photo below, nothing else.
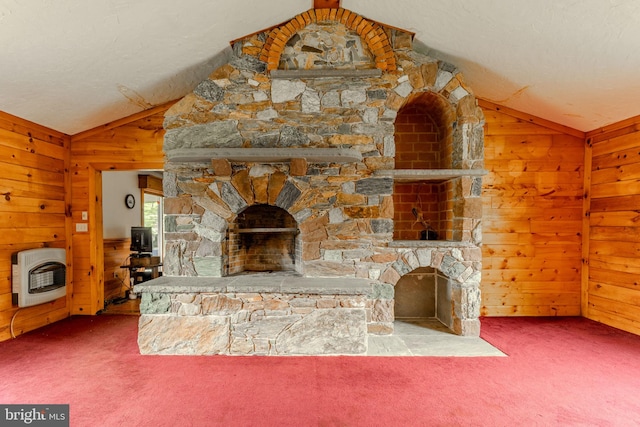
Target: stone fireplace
(304, 179)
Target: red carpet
(560, 372)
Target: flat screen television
(141, 240)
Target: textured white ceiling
(75, 64)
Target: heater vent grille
(39, 276)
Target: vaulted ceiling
(72, 65)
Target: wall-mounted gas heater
(39, 276)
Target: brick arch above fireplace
(371, 33)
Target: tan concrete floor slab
(428, 338)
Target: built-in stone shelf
(283, 283)
(264, 155)
(265, 230)
(325, 73)
(415, 175)
(430, 244)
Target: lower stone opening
(263, 239)
(423, 294)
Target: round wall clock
(130, 201)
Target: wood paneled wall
(34, 182)
(133, 143)
(116, 254)
(534, 202)
(611, 283)
(532, 216)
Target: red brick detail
(356, 21)
(322, 14)
(431, 200)
(371, 33)
(417, 137)
(352, 18)
(312, 15)
(286, 31)
(345, 16)
(306, 17)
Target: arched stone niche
(462, 269)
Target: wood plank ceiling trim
(483, 103)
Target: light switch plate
(82, 226)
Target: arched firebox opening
(262, 239)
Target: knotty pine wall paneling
(116, 253)
(532, 216)
(532, 220)
(612, 285)
(532, 208)
(34, 179)
(133, 143)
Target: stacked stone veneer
(263, 315)
(256, 324)
(254, 315)
(460, 264)
(343, 207)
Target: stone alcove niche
(423, 206)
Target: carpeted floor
(558, 372)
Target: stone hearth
(364, 144)
(261, 314)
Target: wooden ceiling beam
(326, 4)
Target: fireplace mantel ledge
(259, 283)
(264, 155)
(325, 73)
(430, 244)
(412, 175)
